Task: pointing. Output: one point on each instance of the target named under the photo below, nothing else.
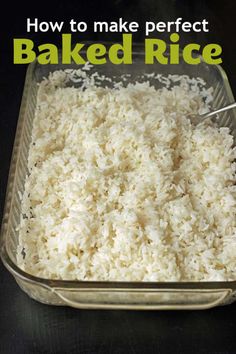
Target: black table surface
(30, 327)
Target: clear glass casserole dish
(113, 295)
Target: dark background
(29, 327)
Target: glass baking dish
(112, 295)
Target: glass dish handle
(139, 299)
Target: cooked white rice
(121, 186)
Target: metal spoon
(197, 119)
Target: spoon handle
(226, 108)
